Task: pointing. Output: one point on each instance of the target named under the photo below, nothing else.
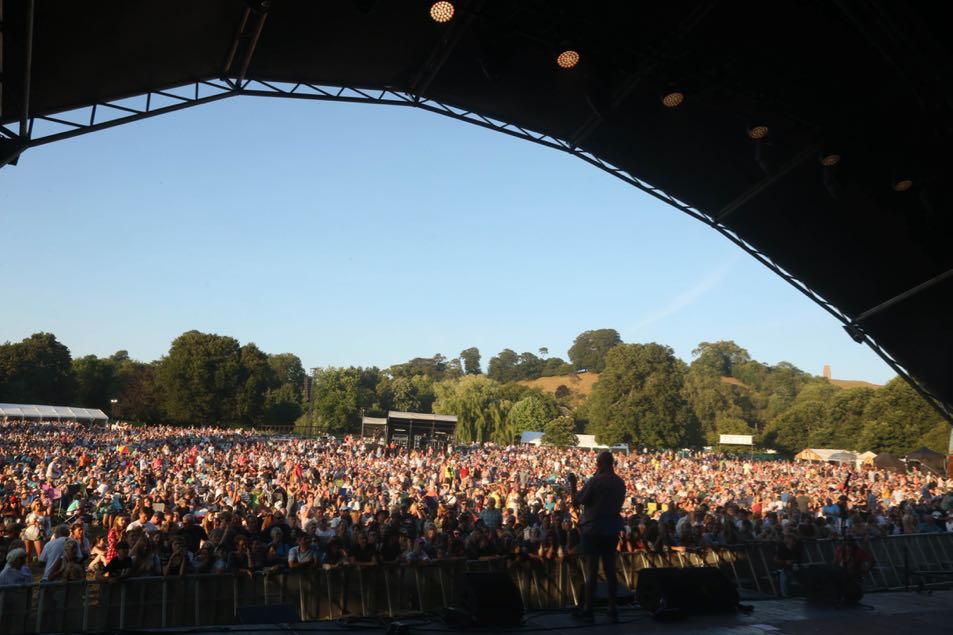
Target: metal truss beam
(765, 183)
(923, 286)
(103, 115)
(203, 92)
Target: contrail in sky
(689, 296)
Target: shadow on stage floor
(877, 614)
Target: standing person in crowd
(54, 550)
(36, 531)
(601, 499)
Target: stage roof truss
(97, 117)
(600, 112)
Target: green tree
(282, 405)
(560, 432)
(638, 399)
(555, 367)
(846, 417)
(711, 398)
(478, 404)
(719, 358)
(435, 367)
(454, 369)
(897, 417)
(589, 349)
(36, 370)
(937, 438)
(256, 379)
(407, 394)
(341, 395)
(96, 382)
(530, 414)
(139, 399)
(806, 423)
(199, 378)
(530, 366)
(288, 370)
(502, 368)
(471, 361)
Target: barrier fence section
(393, 590)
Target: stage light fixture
(757, 132)
(673, 99)
(902, 184)
(568, 58)
(829, 159)
(442, 12)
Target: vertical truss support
(27, 71)
(1, 60)
(12, 144)
(245, 43)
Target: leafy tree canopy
(471, 360)
(588, 351)
(638, 399)
(36, 370)
(531, 413)
(560, 432)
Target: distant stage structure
(411, 430)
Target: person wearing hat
(16, 571)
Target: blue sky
(367, 235)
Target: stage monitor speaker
(268, 614)
(488, 599)
(697, 590)
(829, 584)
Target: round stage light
(567, 59)
(673, 99)
(441, 11)
(830, 159)
(902, 185)
(757, 132)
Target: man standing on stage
(602, 499)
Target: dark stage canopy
(813, 134)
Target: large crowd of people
(92, 501)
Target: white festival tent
(13, 411)
(587, 441)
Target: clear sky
(367, 235)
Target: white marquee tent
(587, 441)
(50, 413)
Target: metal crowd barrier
(393, 590)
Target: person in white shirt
(143, 523)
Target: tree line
(204, 379)
(644, 395)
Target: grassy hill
(853, 383)
(579, 385)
